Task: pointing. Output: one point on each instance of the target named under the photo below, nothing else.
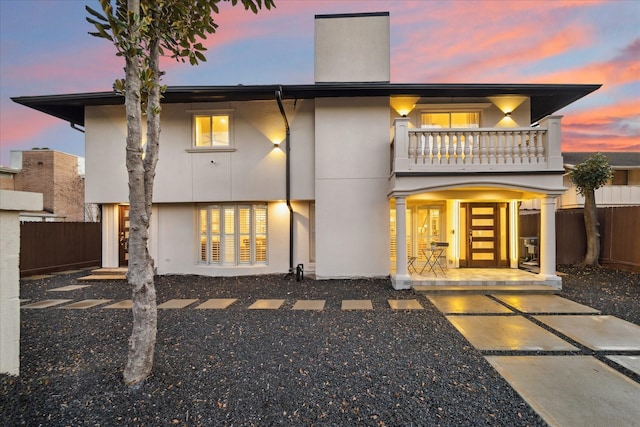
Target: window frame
(195, 114)
(229, 237)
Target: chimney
(352, 48)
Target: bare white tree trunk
(140, 272)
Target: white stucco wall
(11, 203)
(255, 171)
(352, 169)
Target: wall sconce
(403, 104)
(276, 145)
(507, 114)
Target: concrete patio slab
(46, 303)
(572, 390)
(309, 305)
(357, 304)
(467, 304)
(632, 363)
(217, 303)
(507, 333)
(177, 303)
(544, 304)
(266, 304)
(597, 332)
(125, 304)
(405, 304)
(68, 288)
(88, 303)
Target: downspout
(75, 126)
(288, 175)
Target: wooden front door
(123, 235)
(483, 235)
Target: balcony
(477, 150)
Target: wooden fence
(619, 235)
(47, 247)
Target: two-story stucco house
(331, 175)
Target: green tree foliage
(588, 176)
(142, 31)
(594, 172)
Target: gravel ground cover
(241, 367)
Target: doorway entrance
(486, 235)
(123, 235)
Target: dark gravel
(242, 367)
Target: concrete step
(109, 271)
(484, 289)
(105, 274)
(102, 277)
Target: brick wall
(55, 175)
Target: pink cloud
(20, 124)
(614, 127)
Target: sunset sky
(45, 50)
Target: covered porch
(455, 196)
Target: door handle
(470, 236)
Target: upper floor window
(212, 130)
(458, 119)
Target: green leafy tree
(588, 176)
(142, 31)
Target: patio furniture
(433, 257)
(410, 264)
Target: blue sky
(45, 50)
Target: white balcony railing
(476, 149)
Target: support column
(401, 280)
(547, 249)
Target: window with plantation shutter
(233, 234)
(260, 232)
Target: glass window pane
(483, 256)
(245, 249)
(435, 120)
(465, 120)
(261, 219)
(203, 248)
(215, 249)
(244, 222)
(481, 211)
(481, 233)
(229, 220)
(482, 245)
(479, 222)
(220, 130)
(203, 131)
(261, 249)
(215, 221)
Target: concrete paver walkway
(575, 389)
(572, 390)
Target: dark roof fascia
(351, 15)
(546, 99)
